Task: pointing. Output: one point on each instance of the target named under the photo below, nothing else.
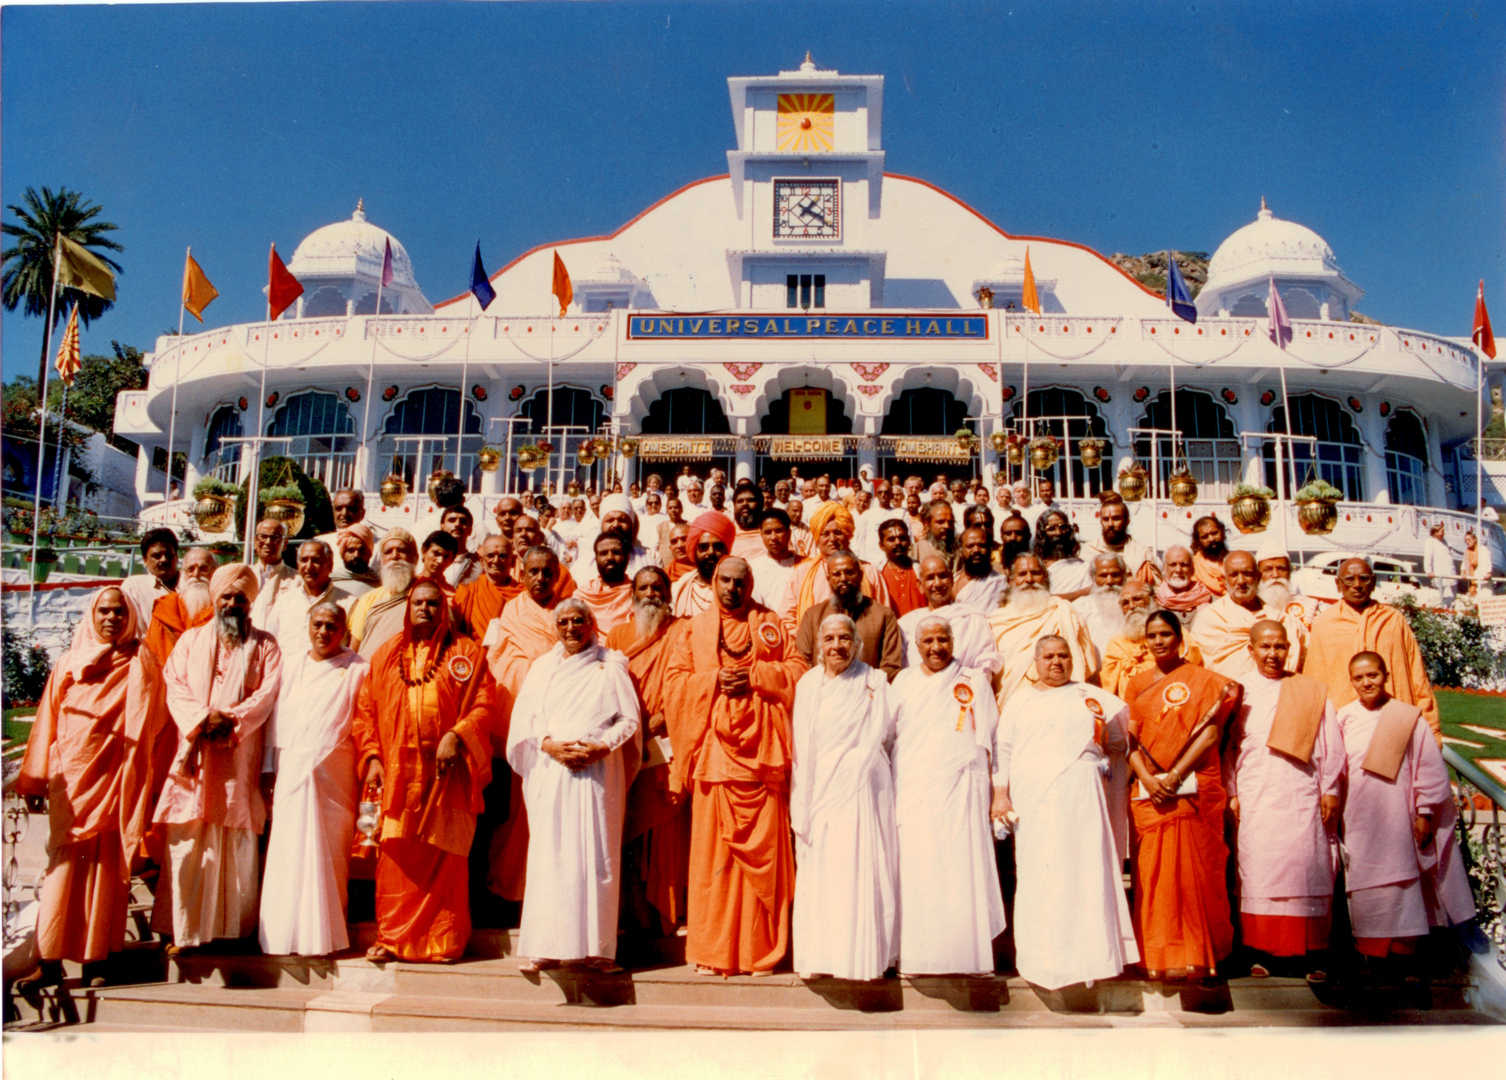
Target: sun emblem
(461, 668)
(1176, 694)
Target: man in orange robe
(423, 729)
(731, 683)
(187, 606)
(656, 836)
(1129, 654)
(478, 602)
(90, 753)
(608, 592)
(832, 527)
(1358, 623)
(520, 635)
(1209, 546)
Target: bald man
(1221, 630)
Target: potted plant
(1090, 451)
(394, 490)
(1132, 482)
(46, 559)
(434, 478)
(1250, 507)
(1043, 452)
(601, 447)
(489, 459)
(529, 458)
(214, 502)
(1015, 450)
(1183, 487)
(1318, 507)
(586, 453)
(999, 441)
(629, 447)
(284, 503)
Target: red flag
(1484, 340)
(282, 287)
(67, 362)
(563, 291)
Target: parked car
(1395, 579)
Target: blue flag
(480, 287)
(1177, 297)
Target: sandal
(1259, 971)
(380, 954)
(704, 969)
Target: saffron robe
(733, 755)
(1015, 635)
(1221, 632)
(477, 603)
(376, 618)
(170, 619)
(1339, 631)
(846, 911)
(905, 593)
(427, 822)
(611, 604)
(1127, 657)
(1182, 901)
(808, 587)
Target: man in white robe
(978, 584)
(846, 910)
(972, 638)
(950, 904)
(314, 802)
(1099, 609)
(288, 620)
(1052, 763)
(573, 741)
(272, 574)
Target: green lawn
(16, 723)
(1456, 708)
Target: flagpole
(57, 461)
(254, 483)
(36, 504)
(1479, 443)
(370, 375)
(465, 367)
(172, 422)
(549, 407)
(1291, 449)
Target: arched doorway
(1071, 478)
(577, 415)
(321, 437)
(1209, 444)
(1339, 450)
(815, 412)
(221, 459)
(685, 410)
(1406, 459)
(923, 410)
(433, 412)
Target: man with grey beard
(1276, 590)
(174, 612)
(1029, 613)
(378, 616)
(222, 681)
(1099, 609)
(656, 834)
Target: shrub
(1456, 648)
(26, 667)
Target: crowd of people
(843, 727)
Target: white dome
(1272, 246)
(351, 249)
(607, 270)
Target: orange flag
(67, 362)
(1029, 300)
(563, 291)
(197, 291)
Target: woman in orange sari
(1178, 712)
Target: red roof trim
(723, 176)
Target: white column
(868, 449)
(743, 465)
(1373, 431)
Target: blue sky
(1123, 127)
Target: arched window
(777, 420)
(576, 412)
(431, 412)
(321, 437)
(1406, 459)
(324, 301)
(1339, 449)
(924, 410)
(1208, 440)
(686, 410)
(222, 459)
(1048, 407)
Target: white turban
(1270, 548)
(618, 503)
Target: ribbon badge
(1174, 695)
(964, 695)
(461, 668)
(769, 634)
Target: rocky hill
(1150, 270)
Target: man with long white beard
(972, 637)
(1180, 591)
(378, 616)
(1221, 630)
(1129, 654)
(1029, 613)
(222, 681)
(1099, 610)
(1056, 744)
(1276, 590)
(977, 583)
(188, 606)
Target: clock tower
(807, 181)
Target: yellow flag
(1029, 300)
(197, 291)
(81, 269)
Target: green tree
(91, 399)
(26, 280)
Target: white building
(809, 268)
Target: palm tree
(27, 276)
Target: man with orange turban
(707, 541)
(832, 527)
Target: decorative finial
(1265, 211)
(808, 64)
(360, 214)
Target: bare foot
(380, 954)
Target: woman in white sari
(846, 912)
(951, 908)
(314, 802)
(573, 740)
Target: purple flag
(387, 264)
(1278, 326)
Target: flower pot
(1317, 517)
(1132, 486)
(585, 455)
(1090, 453)
(394, 490)
(1250, 513)
(999, 441)
(1183, 489)
(1043, 453)
(489, 459)
(1016, 453)
(629, 448)
(212, 513)
(434, 478)
(601, 447)
(287, 511)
